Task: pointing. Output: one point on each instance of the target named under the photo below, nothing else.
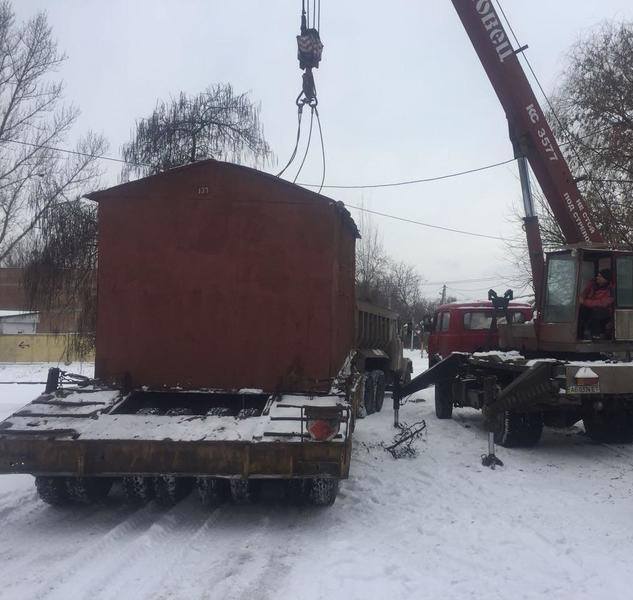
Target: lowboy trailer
(225, 347)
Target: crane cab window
(560, 298)
(624, 290)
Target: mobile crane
(559, 377)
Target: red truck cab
(466, 327)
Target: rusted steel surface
(40, 455)
(219, 276)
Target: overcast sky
(402, 96)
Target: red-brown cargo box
(219, 276)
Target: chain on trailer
(309, 55)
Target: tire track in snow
(250, 536)
(84, 557)
(123, 547)
(156, 552)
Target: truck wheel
(52, 490)
(369, 396)
(86, 490)
(518, 430)
(443, 400)
(212, 491)
(380, 383)
(323, 492)
(138, 490)
(170, 489)
(614, 428)
(244, 491)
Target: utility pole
(443, 301)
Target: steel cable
(294, 152)
(305, 154)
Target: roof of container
(108, 193)
(16, 313)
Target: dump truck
(379, 355)
(225, 348)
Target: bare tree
(592, 116)
(60, 272)
(34, 175)
(593, 113)
(371, 261)
(218, 123)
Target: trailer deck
(86, 432)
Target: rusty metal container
(214, 275)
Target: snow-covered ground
(556, 522)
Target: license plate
(584, 389)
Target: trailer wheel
(52, 490)
(171, 489)
(443, 400)
(614, 428)
(212, 491)
(138, 490)
(323, 492)
(518, 430)
(244, 491)
(297, 491)
(380, 383)
(369, 395)
(86, 490)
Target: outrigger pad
(491, 461)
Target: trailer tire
(380, 384)
(87, 490)
(443, 400)
(518, 430)
(297, 491)
(369, 394)
(138, 490)
(171, 489)
(244, 491)
(52, 490)
(322, 491)
(610, 428)
(212, 491)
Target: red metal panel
(527, 120)
(215, 275)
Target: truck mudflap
(94, 431)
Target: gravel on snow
(555, 522)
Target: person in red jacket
(596, 306)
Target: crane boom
(531, 135)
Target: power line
(411, 181)
(479, 280)
(119, 160)
(76, 153)
(422, 224)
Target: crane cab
(563, 326)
